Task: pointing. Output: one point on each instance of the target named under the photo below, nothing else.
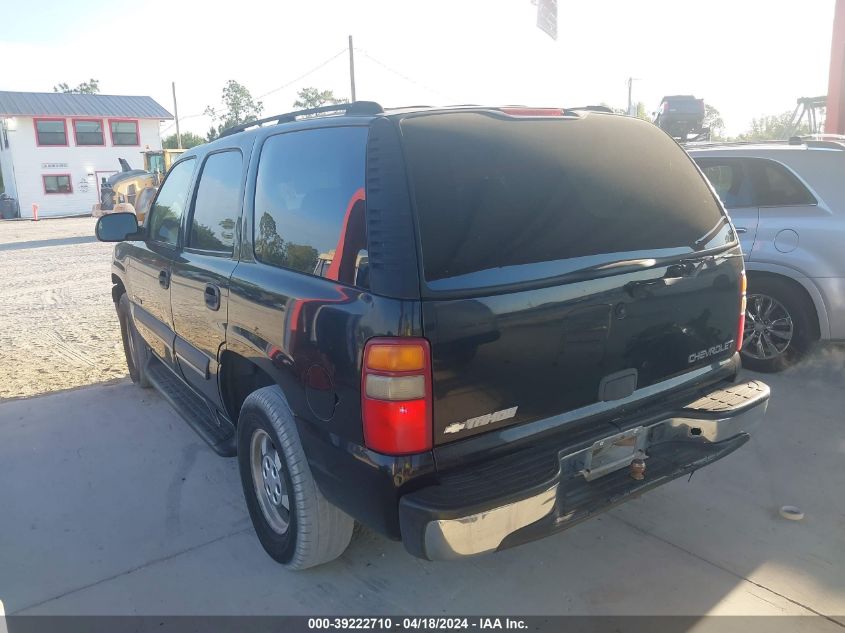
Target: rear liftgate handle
(212, 297)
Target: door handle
(164, 279)
(741, 229)
(212, 297)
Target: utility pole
(176, 114)
(631, 81)
(352, 68)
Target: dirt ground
(58, 327)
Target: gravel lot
(58, 327)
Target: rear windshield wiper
(706, 237)
(623, 263)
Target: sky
(747, 58)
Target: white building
(56, 148)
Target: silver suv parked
(787, 202)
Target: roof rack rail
(700, 144)
(347, 109)
(821, 141)
(805, 141)
(825, 144)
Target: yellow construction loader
(133, 190)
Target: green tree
(301, 257)
(90, 87)
(238, 106)
(189, 140)
(713, 120)
(269, 246)
(313, 98)
(204, 237)
(642, 113)
(772, 127)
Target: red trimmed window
(50, 132)
(88, 132)
(57, 183)
(124, 132)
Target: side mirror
(117, 227)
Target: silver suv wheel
(269, 481)
(768, 328)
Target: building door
(99, 176)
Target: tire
(303, 529)
(136, 350)
(792, 315)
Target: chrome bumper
(484, 532)
(716, 418)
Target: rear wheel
(134, 348)
(295, 524)
(778, 326)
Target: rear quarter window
(777, 186)
(502, 200)
(310, 203)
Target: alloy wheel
(768, 328)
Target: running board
(218, 434)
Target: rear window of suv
(502, 200)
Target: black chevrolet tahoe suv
(465, 328)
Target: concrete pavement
(110, 504)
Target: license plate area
(612, 453)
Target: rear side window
(502, 200)
(730, 179)
(166, 214)
(309, 203)
(777, 186)
(217, 203)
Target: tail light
(743, 286)
(396, 395)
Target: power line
(181, 118)
(318, 67)
(343, 51)
(403, 76)
(282, 87)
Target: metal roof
(67, 104)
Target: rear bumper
(534, 493)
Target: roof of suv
(795, 144)
(371, 109)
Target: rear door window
(217, 203)
(309, 203)
(501, 200)
(730, 178)
(778, 187)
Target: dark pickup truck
(465, 328)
